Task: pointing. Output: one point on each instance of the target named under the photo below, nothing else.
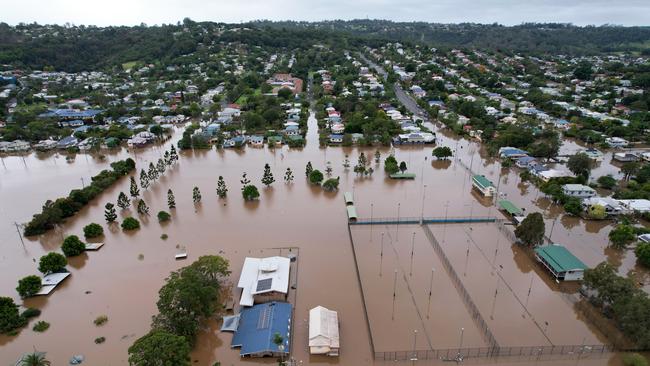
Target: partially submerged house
(562, 264)
(264, 279)
(578, 191)
(483, 185)
(323, 332)
(258, 327)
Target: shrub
(100, 340)
(29, 286)
(642, 252)
(331, 184)
(163, 216)
(607, 181)
(315, 177)
(130, 223)
(93, 230)
(634, 359)
(100, 320)
(250, 192)
(164, 236)
(72, 246)
(52, 262)
(573, 206)
(30, 313)
(41, 326)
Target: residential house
(264, 279)
(525, 162)
(323, 332)
(67, 142)
(256, 141)
(616, 142)
(578, 191)
(257, 327)
(336, 138)
(483, 185)
(625, 157)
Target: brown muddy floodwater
(122, 279)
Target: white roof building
(323, 332)
(636, 205)
(260, 276)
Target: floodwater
(122, 279)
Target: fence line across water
(425, 220)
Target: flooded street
(121, 280)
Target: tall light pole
(414, 357)
(394, 294)
(412, 251)
(397, 229)
(424, 191)
(381, 254)
(430, 291)
(459, 357)
(371, 209)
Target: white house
(323, 332)
(639, 205)
(616, 142)
(264, 279)
(578, 190)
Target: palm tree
(34, 359)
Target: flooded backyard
(122, 279)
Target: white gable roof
(323, 328)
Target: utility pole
(394, 294)
(397, 229)
(412, 251)
(430, 291)
(381, 254)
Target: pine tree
(160, 167)
(143, 209)
(360, 168)
(222, 190)
(144, 179)
(167, 158)
(135, 192)
(346, 162)
(267, 178)
(123, 201)
(153, 172)
(244, 181)
(328, 169)
(377, 156)
(196, 195)
(288, 176)
(173, 155)
(109, 213)
(171, 200)
(308, 169)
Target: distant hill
(80, 48)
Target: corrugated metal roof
(560, 258)
(510, 207)
(258, 326)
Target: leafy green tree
(607, 182)
(346, 162)
(123, 201)
(159, 347)
(250, 192)
(130, 223)
(360, 168)
(144, 179)
(308, 169)
(267, 178)
(222, 190)
(163, 216)
(328, 169)
(51, 263)
(93, 230)
(34, 359)
(377, 157)
(583, 71)
(390, 165)
(316, 177)
(402, 167)
(629, 169)
(72, 246)
(622, 235)
(597, 212)
(167, 158)
(143, 209)
(171, 200)
(29, 286)
(331, 184)
(573, 206)
(642, 252)
(288, 176)
(109, 213)
(196, 195)
(134, 190)
(10, 318)
(531, 230)
(634, 359)
(580, 164)
(442, 152)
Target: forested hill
(72, 48)
(530, 38)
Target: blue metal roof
(258, 326)
(70, 113)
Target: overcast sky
(509, 12)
